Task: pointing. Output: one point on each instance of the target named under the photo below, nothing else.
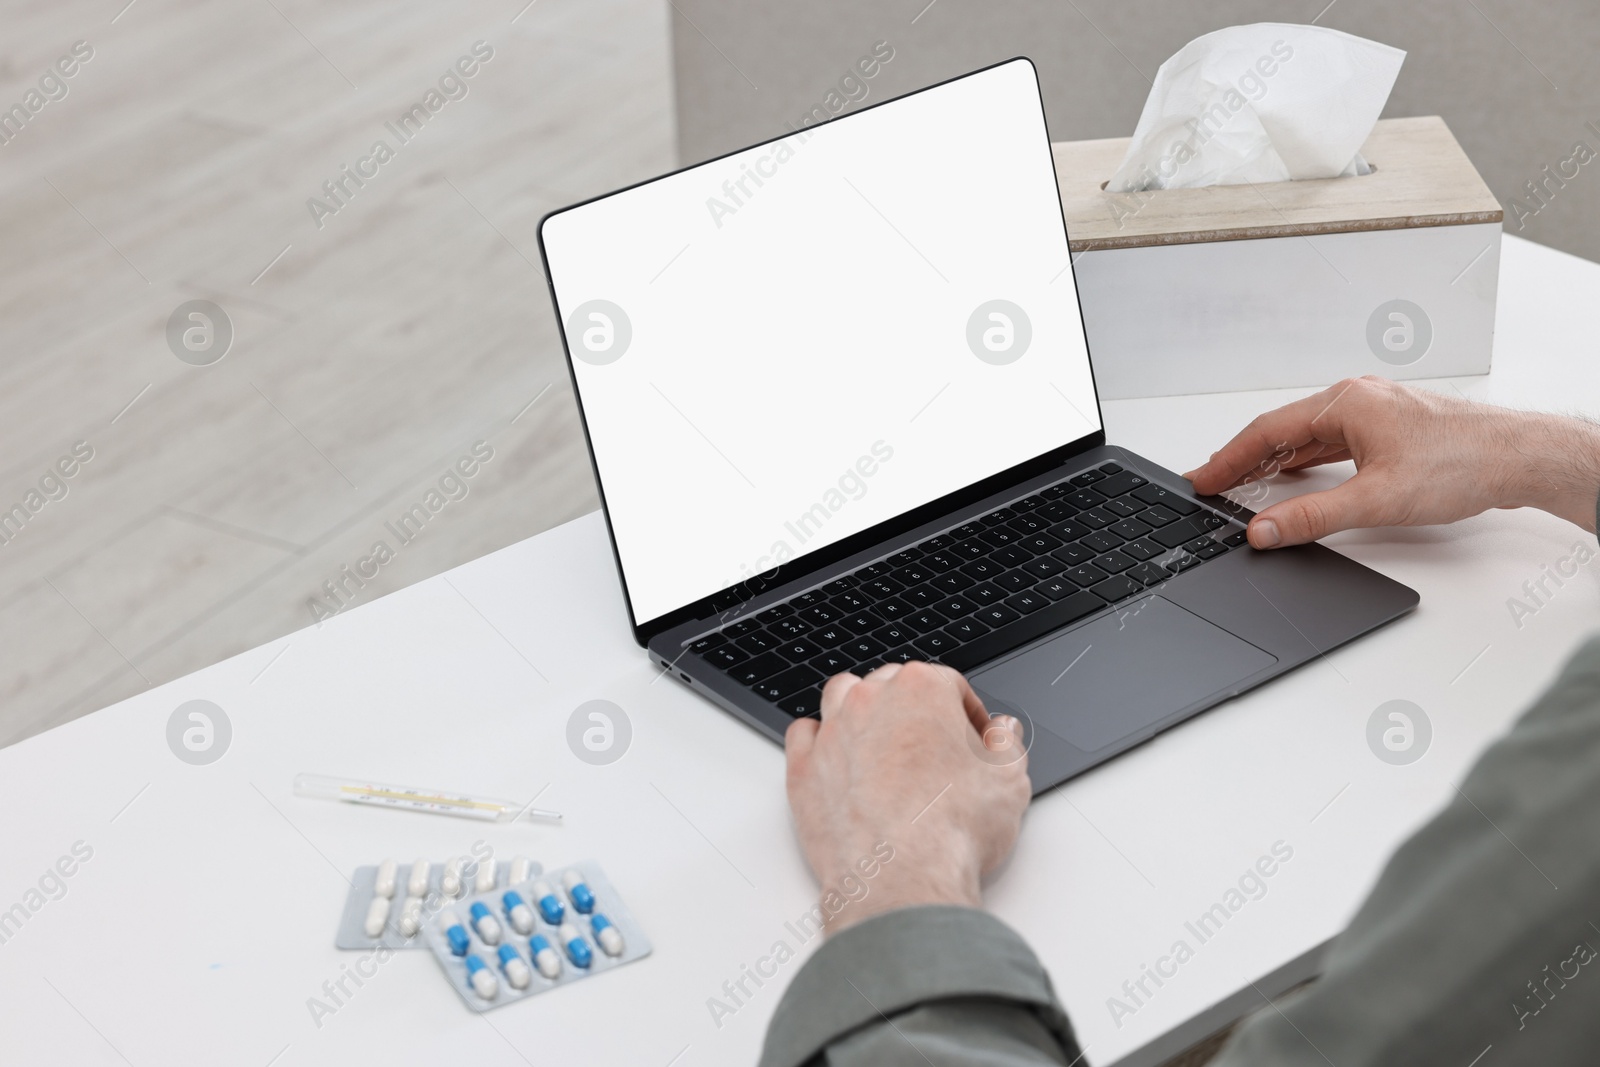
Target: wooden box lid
(1420, 177)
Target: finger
(971, 703)
(1361, 502)
(1295, 425)
(1004, 732)
(884, 673)
(1327, 454)
(833, 692)
(798, 742)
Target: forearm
(1557, 467)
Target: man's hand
(1421, 458)
(906, 756)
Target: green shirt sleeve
(945, 985)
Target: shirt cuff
(897, 960)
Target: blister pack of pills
(389, 904)
(534, 935)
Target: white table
(203, 922)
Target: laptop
(841, 410)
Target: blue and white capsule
(516, 970)
(544, 956)
(609, 937)
(550, 905)
(578, 891)
(578, 950)
(518, 914)
(482, 979)
(455, 933)
(485, 923)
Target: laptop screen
(791, 344)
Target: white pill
(383, 882)
(417, 885)
(484, 983)
(521, 869)
(411, 916)
(377, 915)
(545, 956)
(485, 880)
(450, 882)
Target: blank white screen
(799, 366)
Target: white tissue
(1267, 102)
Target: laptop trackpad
(1099, 683)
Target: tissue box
(1290, 283)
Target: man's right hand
(1421, 458)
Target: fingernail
(1190, 476)
(1265, 533)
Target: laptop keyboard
(976, 591)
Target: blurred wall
(1516, 82)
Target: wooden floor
(371, 351)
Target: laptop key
(1110, 468)
(828, 636)
(970, 549)
(1186, 529)
(1129, 529)
(982, 569)
(1069, 531)
(862, 622)
(871, 571)
(1044, 567)
(893, 634)
(923, 596)
(724, 656)
(1147, 574)
(1083, 499)
(882, 587)
(1155, 494)
(935, 643)
(910, 555)
(1059, 511)
(923, 621)
(1015, 581)
(788, 683)
(1113, 562)
(831, 663)
(1100, 541)
(708, 642)
(941, 561)
(903, 654)
(839, 585)
(1057, 491)
(997, 615)
(808, 599)
(1085, 575)
(935, 544)
(964, 630)
(754, 670)
(955, 607)
(1119, 483)
(1072, 555)
(998, 517)
(1212, 551)
(760, 641)
(1056, 588)
(821, 614)
(1011, 556)
(1022, 629)
(774, 613)
(893, 608)
(1086, 478)
(986, 594)
(911, 574)
(850, 600)
(1028, 602)
(1116, 588)
(1027, 524)
(1235, 539)
(1040, 543)
(801, 704)
(1143, 549)
(953, 582)
(1096, 518)
(798, 650)
(1158, 514)
(863, 648)
(1125, 506)
(788, 628)
(999, 536)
